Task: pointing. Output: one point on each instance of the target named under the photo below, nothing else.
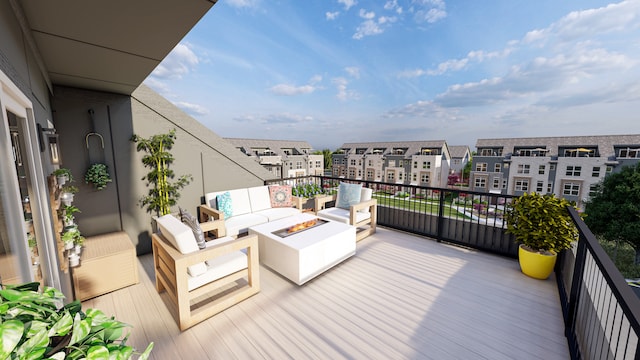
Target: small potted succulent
(98, 176)
(63, 176)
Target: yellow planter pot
(536, 265)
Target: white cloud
(428, 10)
(243, 3)
(347, 3)
(373, 27)
(332, 15)
(192, 109)
(343, 93)
(290, 90)
(367, 15)
(353, 71)
(180, 61)
(393, 6)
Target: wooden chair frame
(171, 276)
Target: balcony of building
(439, 280)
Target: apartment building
(565, 166)
(425, 163)
(282, 158)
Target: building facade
(460, 156)
(282, 158)
(425, 163)
(568, 167)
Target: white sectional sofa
(250, 207)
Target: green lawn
(418, 205)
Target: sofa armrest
(320, 201)
(206, 213)
(217, 226)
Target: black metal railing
(462, 217)
(601, 311)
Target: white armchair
(187, 273)
(362, 215)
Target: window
(298, 164)
(504, 183)
(523, 168)
(596, 171)
(352, 173)
(609, 169)
(549, 188)
(426, 164)
(522, 185)
(456, 161)
(541, 169)
(571, 188)
(318, 163)
(359, 173)
(391, 176)
(496, 183)
(539, 186)
(481, 167)
(369, 174)
(424, 178)
(415, 164)
(353, 162)
(552, 167)
(573, 170)
(370, 162)
(593, 189)
(400, 176)
(497, 167)
(415, 177)
(629, 153)
(336, 161)
(481, 182)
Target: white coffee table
(302, 256)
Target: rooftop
(401, 296)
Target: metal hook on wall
(86, 138)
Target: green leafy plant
(163, 193)
(541, 222)
(98, 176)
(35, 326)
(306, 190)
(63, 172)
(68, 211)
(69, 189)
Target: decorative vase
(74, 260)
(62, 179)
(536, 265)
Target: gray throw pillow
(193, 223)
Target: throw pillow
(193, 223)
(280, 196)
(348, 194)
(225, 205)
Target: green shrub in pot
(98, 176)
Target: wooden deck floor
(399, 297)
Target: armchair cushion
(224, 204)
(219, 266)
(259, 197)
(342, 215)
(181, 237)
(365, 195)
(280, 196)
(348, 194)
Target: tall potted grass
(543, 226)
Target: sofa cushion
(225, 204)
(219, 267)
(365, 195)
(278, 213)
(341, 215)
(348, 194)
(241, 223)
(259, 197)
(180, 237)
(193, 223)
(240, 201)
(280, 196)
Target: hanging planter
(68, 192)
(74, 259)
(63, 176)
(98, 176)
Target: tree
(466, 171)
(327, 157)
(613, 210)
(163, 193)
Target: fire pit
(294, 229)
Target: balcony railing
(600, 311)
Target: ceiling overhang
(110, 45)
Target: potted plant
(63, 176)
(163, 192)
(98, 176)
(68, 217)
(68, 192)
(541, 223)
(68, 237)
(34, 325)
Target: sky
(336, 71)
